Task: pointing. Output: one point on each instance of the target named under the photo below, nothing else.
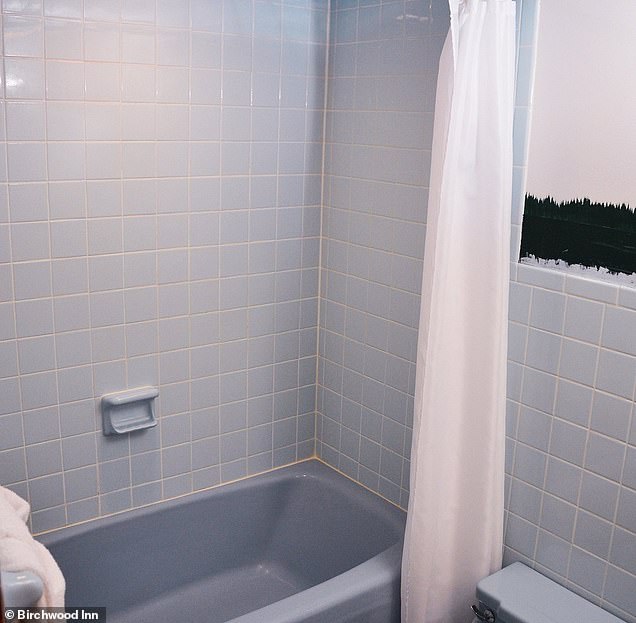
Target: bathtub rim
(376, 573)
(310, 464)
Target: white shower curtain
(454, 533)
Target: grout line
(321, 238)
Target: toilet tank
(517, 594)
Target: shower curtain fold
(455, 520)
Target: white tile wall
(160, 213)
(126, 259)
(382, 78)
(571, 390)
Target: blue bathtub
(302, 543)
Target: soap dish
(124, 412)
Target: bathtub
(302, 543)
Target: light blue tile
(48, 519)
(177, 485)
(626, 513)
(541, 277)
(79, 451)
(573, 402)
(204, 478)
(521, 535)
(578, 361)
(235, 156)
(176, 460)
(233, 416)
(237, 17)
(519, 307)
(146, 493)
(520, 133)
(46, 492)
(233, 293)
(83, 510)
(80, 483)
(568, 442)
(175, 430)
(534, 428)
(583, 319)
(114, 475)
(529, 21)
(627, 297)
(611, 416)
(236, 88)
(115, 501)
(623, 552)
(205, 453)
(525, 68)
(265, 92)
(285, 404)
(553, 552)
(563, 480)
(233, 260)
(112, 447)
(233, 446)
(591, 289)
(629, 471)
(619, 330)
(233, 386)
(593, 534)
(620, 589)
(525, 501)
(267, 20)
(548, 310)
(514, 381)
(288, 252)
(598, 495)
(41, 425)
(43, 458)
(205, 423)
(558, 517)
(542, 351)
(237, 52)
(11, 431)
(530, 465)
(604, 456)
(13, 465)
(538, 390)
(284, 433)
(586, 570)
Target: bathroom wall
(382, 76)
(159, 225)
(160, 193)
(571, 445)
(571, 455)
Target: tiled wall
(159, 225)
(160, 192)
(571, 453)
(382, 78)
(571, 456)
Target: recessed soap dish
(124, 412)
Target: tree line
(617, 216)
(580, 232)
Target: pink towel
(19, 551)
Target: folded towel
(19, 551)
(20, 506)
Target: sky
(583, 124)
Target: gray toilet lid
(517, 594)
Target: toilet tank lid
(517, 594)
